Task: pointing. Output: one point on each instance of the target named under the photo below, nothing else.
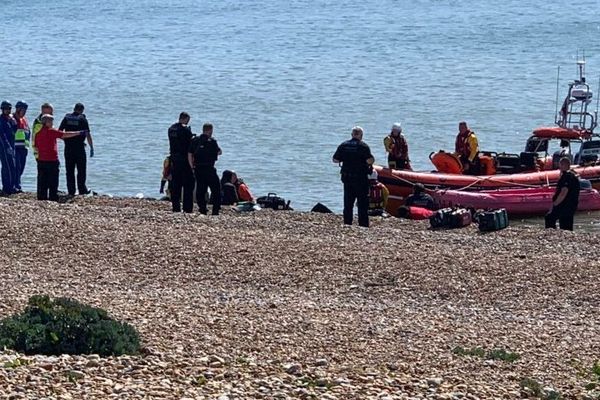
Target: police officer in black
(182, 177)
(75, 156)
(202, 156)
(356, 159)
(565, 199)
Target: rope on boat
(478, 181)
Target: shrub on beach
(66, 326)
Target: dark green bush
(65, 326)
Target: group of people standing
(192, 168)
(16, 137)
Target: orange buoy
(447, 163)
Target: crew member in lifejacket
(22, 138)
(397, 148)
(467, 149)
(378, 195)
(420, 198)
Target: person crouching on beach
(47, 161)
(378, 196)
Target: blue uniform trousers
(20, 160)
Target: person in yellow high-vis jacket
(38, 125)
(22, 138)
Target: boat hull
(400, 183)
(517, 202)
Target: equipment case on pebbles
(493, 220)
(460, 218)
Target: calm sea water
(284, 82)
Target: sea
(284, 82)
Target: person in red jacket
(47, 161)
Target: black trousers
(356, 191)
(75, 157)
(47, 180)
(563, 216)
(182, 178)
(206, 177)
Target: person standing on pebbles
(22, 138)
(38, 125)
(8, 128)
(356, 160)
(182, 177)
(75, 156)
(204, 152)
(565, 199)
(47, 160)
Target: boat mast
(574, 113)
(556, 101)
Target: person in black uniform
(202, 156)
(75, 156)
(420, 198)
(356, 159)
(565, 199)
(182, 177)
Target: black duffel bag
(273, 201)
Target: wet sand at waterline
(295, 305)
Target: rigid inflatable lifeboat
(517, 202)
(533, 171)
(400, 183)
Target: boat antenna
(557, 80)
(597, 100)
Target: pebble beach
(291, 305)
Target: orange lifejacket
(244, 193)
(376, 198)
(397, 147)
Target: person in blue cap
(8, 128)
